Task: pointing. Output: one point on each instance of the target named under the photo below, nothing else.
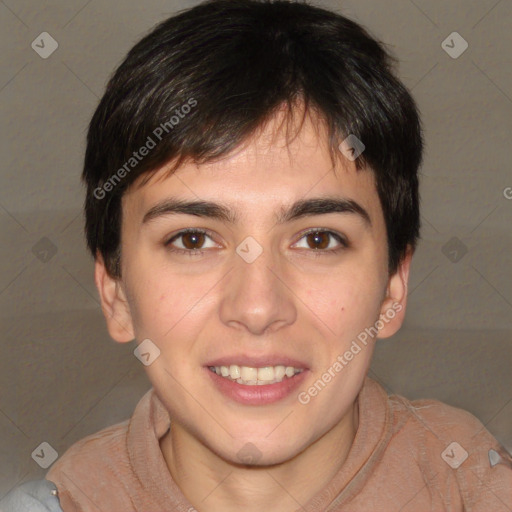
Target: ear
(393, 307)
(113, 303)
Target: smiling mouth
(251, 376)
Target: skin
(197, 308)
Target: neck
(212, 483)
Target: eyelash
(316, 252)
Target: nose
(257, 296)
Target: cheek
(168, 305)
(346, 303)
(154, 305)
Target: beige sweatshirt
(406, 456)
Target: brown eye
(190, 240)
(319, 239)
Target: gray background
(62, 377)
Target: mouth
(255, 376)
(256, 381)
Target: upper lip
(258, 361)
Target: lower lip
(257, 395)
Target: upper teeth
(255, 376)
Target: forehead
(267, 172)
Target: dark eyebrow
(299, 209)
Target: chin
(255, 458)
(261, 451)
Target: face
(255, 290)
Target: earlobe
(113, 303)
(393, 307)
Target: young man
(252, 205)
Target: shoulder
(454, 443)
(98, 467)
(437, 417)
(35, 495)
(99, 442)
(92, 456)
